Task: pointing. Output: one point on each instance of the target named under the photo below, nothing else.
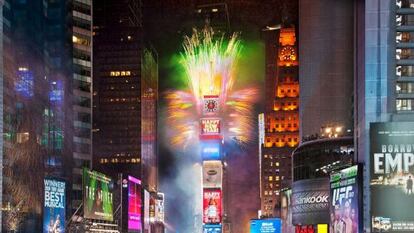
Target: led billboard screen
(212, 206)
(97, 196)
(210, 104)
(159, 208)
(345, 202)
(146, 210)
(392, 175)
(54, 206)
(211, 150)
(212, 174)
(310, 201)
(271, 225)
(209, 126)
(134, 204)
(212, 229)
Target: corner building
(281, 120)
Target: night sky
(165, 24)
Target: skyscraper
(385, 99)
(125, 93)
(80, 84)
(281, 119)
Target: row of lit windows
(405, 88)
(288, 106)
(120, 73)
(282, 128)
(271, 185)
(279, 143)
(276, 178)
(290, 91)
(270, 192)
(106, 100)
(404, 105)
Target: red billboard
(212, 206)
(209, 126)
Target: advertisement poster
(209, 126)
(54, 206)
(310, 201)
(345, 202)
(392, 176)
(146, 211)
(97, 196)
(134, 204)
(212, 206)
(159, 208)
(210, 149)
(286, 211)
(212, 174)
(271, 225)
(212, 229)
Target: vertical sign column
(210, 144)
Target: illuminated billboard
(345, 201)
(209, 126)
(134, 204)
(159, 208)
(146, 211)
(270, 225)
(286, 211)
(210, 149)
(392, 176)
(54, 206)
(210, 104)
(212, 206)
(212, 174)
(310, 201)
(97, 196)
(212, 229)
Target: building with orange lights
(279, 125)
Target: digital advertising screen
(54, 206)
(210, 104)
(146, 210)
(212, 206)
(392, 176)
(271, 225)
(210, 149)
(209, 126)
(212, 174)
(134, 204)
(310, 201)
(159, 208)
(345, 201)
(97, 196)
(286, 211)
(212, 229)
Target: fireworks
(210, 66)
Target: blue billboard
(210, 149)
(270, 225)
(54, 206)
(212, 229)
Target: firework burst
(210, 66)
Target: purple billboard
(134, 204)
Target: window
(404, 104)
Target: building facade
(385, 92)
(281, 120)
(125, 94)
(326, 54)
